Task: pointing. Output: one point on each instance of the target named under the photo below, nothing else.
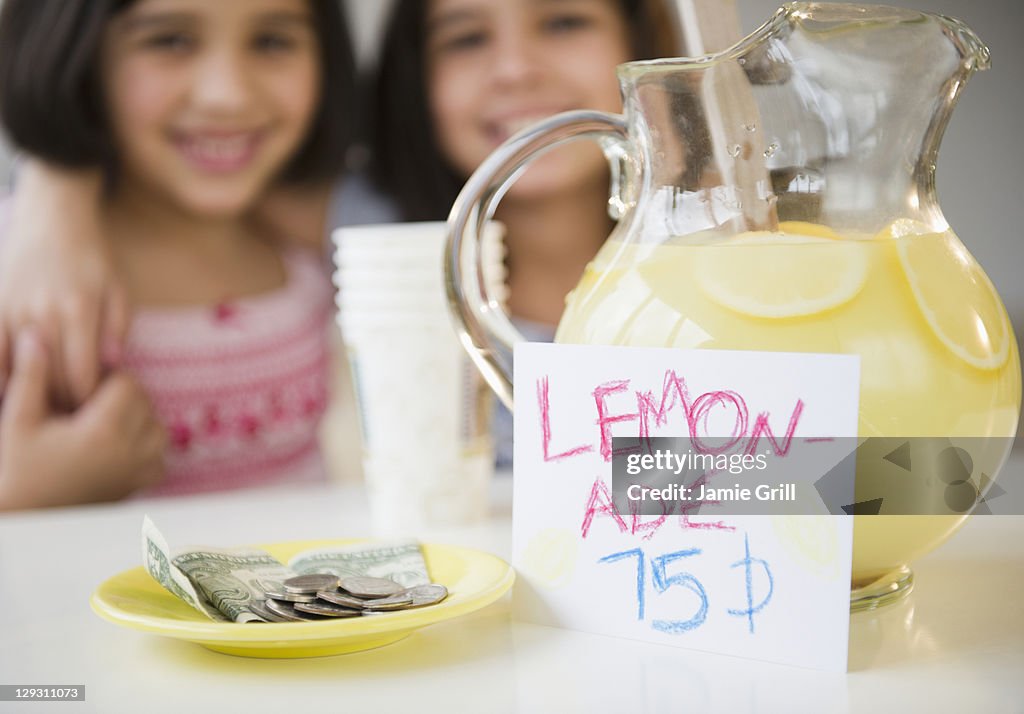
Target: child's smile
(218, 151)
(209, 101)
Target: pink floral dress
(240, 386)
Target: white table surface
(955, 645)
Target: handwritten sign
(774, 588)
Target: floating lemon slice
(954, 295)
(776, 275)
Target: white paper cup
(424, 410)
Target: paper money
(156, 556)
(401, 561)
(220, 583)
(230, 579)
(250, 585)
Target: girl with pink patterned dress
(192, 110)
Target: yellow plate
(474, 580)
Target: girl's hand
(56, 275)
(110, 447)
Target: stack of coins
(318, 596)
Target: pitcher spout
(975, 53)
(830, 113)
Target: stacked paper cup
(424, 410)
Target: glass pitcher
(780, 196)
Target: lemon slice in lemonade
(785, 274)
(954, 295)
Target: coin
(287, 611)
(263, 611)
(288, 597)
(260, 611)
(367, 587)
(309, 584)
(423, 595)
(340, 598)
(392, 602)
(353, 596)
(327, 609)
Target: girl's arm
(56, 275)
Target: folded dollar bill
(401, 562)
(231, 584)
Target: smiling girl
(458, 77)
(192, 109)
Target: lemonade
(938, 356)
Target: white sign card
(774, 588)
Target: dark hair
(52, 102)
(407, 163)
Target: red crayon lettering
(600, 503)
(672, 389)
(700, 411)
(674, 392)
(761, 426)
(686, 524)
(684, 514)
(649, 528)
(604, 421)
(544, 402)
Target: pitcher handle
(480, 318)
